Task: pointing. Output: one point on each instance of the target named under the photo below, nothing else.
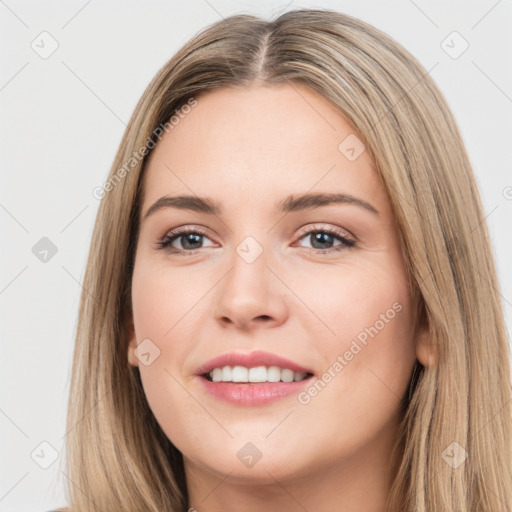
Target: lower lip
(252, 394)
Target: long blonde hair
(118, 458)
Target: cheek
(163, 300)
(369, 357)
(349, 299)
(164, 313)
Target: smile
(252, 378)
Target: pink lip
(251, 394)
(250, 360)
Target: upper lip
(250, 360)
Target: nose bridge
(250, 291)
(247, 282)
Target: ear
(426, 351)
(132, 344)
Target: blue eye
(191, 238)
(324, 239)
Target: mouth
(255, 386)
(252, 378)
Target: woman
(220, 363)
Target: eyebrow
(292, 203)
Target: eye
(190, 239)
(323, 239)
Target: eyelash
(165, 242)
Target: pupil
(322, 238)
(190, 238)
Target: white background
(61, 122)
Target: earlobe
(132, 345)
(426, 351)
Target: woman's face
(316, 280)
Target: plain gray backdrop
(70, 76)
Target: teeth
(226, 374)
(255, 374)
(287, 375)
(273, 374)
(240, 374)
(258, 374)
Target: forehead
(247, 145)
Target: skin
(248, 149)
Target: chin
(256, 462)
(266, 470)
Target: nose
(250, 296)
